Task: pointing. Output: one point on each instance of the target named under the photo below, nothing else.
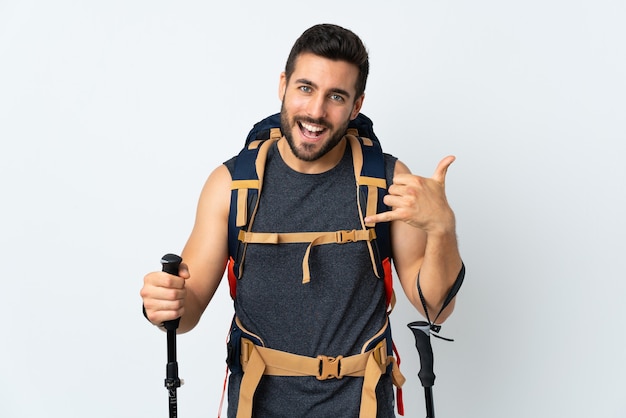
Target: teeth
(311, 128)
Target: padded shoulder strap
(263, 129)
(369, 171)
(247, 181)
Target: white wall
(113, 113)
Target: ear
(282, 86)
(356, 108)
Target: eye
(336, 97)
(305, 89)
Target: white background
(112, 115)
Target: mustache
(322, 122)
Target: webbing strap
(282, 363)
(242, 207)
(372, 200)
(258, 361)
(372, 181)
(368, 393)
(313, 238)
(242, 186)
(249, 383)
(370, 209)
(355, 132)
(336, 237)
(275, 133)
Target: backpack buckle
(346, 236)
(329, 367)
(380, 355)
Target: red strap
(388, 279)
(232, 278)
(219, 411)
(400, 401)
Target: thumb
(183, 271)
(442, 169)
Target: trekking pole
(421, 331)
(170, 263)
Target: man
(309, 186)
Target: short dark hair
(335, 43)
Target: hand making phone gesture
(419, 201)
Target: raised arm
(167, 297)
(423, 236)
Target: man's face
(318, 102)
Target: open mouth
(310, 130)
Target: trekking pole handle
(421, 332)
(171, 264)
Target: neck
(321, 165)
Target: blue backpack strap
(372, 186)
(247, 180)
(245, 191)
(373, 167)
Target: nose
(316, 108)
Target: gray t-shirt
(341, 308)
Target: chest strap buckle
(346, 236)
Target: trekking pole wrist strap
(451, 294)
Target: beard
(307, 152)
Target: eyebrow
(312, 84)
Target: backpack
(248, 180)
